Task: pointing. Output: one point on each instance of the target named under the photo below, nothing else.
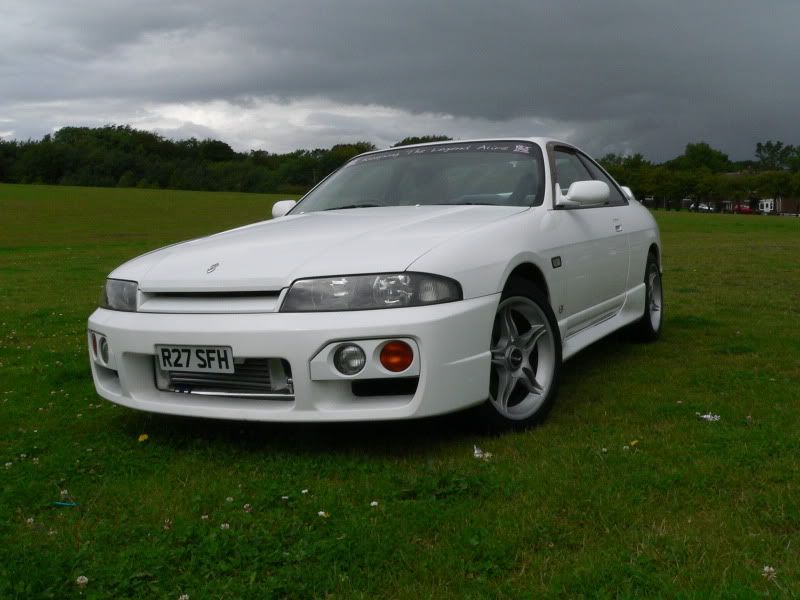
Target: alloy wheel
(523, 358)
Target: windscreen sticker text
(444, 149)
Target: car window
(569, 169)
(615, 197)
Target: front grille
(266, 378)
(209, 302)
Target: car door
(596, 251)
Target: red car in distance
(742, 209)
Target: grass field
(624, 492)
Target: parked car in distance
(701, 207)
(742, 209)
(411, 282)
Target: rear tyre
(525, 360)
(648, 328)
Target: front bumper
(452, 341)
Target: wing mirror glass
(585, 193)
(281, 207)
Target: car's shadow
(387, 438)
(390, 438)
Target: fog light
(349, 359)
(104, 350)
(396, 356)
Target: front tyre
(526, 359)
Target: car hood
(272, 254)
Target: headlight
(119, 294)
(366, 292)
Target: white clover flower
(23, 456)
(229, 499)
(167, 524)
(303, 491)
(65, 493)
(29, 520)
(247, 508)
(183, 597)
(35, 460)
(9, 465)
(374, 503)
(769, 573)
(284, 498)
(603, 450)
(323, 514)
(82, 580)
(626, 448)
(204, 517)
(225, 526)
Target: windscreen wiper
(353, 206)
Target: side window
(615, 197)
(569, 169)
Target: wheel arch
(529, 271)
(656, 251)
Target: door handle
(617, 224)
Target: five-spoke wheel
(525, 356)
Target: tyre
(648, 328)
(525, 359)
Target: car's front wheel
(525, 358)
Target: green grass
(692, 509)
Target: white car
(411, 282)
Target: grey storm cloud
(614, 75)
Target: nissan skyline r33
(411, 282)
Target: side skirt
(632, 310)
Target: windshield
(489, 173)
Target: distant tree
(423, 139)
(774, 156)
(8, 155)
(698, 156)
(215, 151)
(775, 185)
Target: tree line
(705, 174)
(121, 156)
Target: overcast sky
(623, 76)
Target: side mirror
(584, 193)
(628, 192)
(281, 207)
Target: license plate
(205, 359)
